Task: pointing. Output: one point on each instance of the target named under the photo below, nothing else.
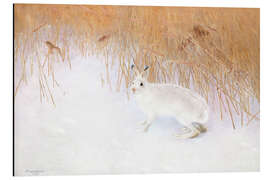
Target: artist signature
(34, 172)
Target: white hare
(188, 107)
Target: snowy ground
(93, 131)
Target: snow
(93, 130)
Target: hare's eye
(141, 84)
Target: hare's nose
(133, 90)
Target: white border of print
(6, 88)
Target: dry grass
(215, 51)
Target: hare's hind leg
(191, 132)
(200, 127)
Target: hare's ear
(145, 72)
(133, 68)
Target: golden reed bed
(215, 51)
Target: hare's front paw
(143, 122)
(145, 127)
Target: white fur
(186, 106)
